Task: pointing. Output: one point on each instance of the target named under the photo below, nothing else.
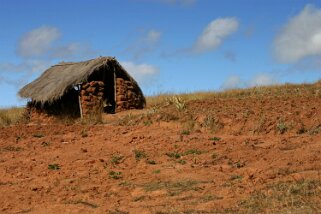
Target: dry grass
(11, 116)
(302, 196)
(274, 91)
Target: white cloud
(39, 49)
(143, 73)
(232, 82)
(300, 37)
(145, 44)
(37, 41)
(215, 33)
(153, 36)
(261, 79)
(72, 50)
(43, 42)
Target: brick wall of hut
(92, 98)
(126, 95)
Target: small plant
(151, 162)
(239, 164)
(212, 123)
(185, 132)
(45, 143)
(281, 127)
(236, 177)
(192, 152)
(215, 139)
(156, 171)
(115, 175)
(84, 133)
(116, 159)
(214, 155)
(54, 166)
(38, 135)
(148, 123)
(139, 198)
(178, 102)
(182, 162)
(12, 149)
(173, 155)
(139, 154)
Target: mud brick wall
(126, 95)
(92, 98)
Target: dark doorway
(106, 74)
(109, 92)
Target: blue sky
(167, 45)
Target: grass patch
(38, 135)
(116, 159)
(302, 196)
(54, 166)
(215, 139)
(236, 177)
(173, 188)
(151, 162)
(139, 154)
(282, 127)
(156, 171)
(185, 132)
(173, 155)
(84, 133)
(115, 175)
(12, 149)
(182, 162)
(46, 143)
(207, 198)
(91, 205)
(192, 152)
(11, 116)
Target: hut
(83, 89)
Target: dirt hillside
(243, 151)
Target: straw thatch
(58, 79)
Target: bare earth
(216, 156)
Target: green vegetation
(139, 154)
(173, 188)
(54, 166)
(12, 149)
(115, 175)
(38, 135)
(151, 162)
(116, 159)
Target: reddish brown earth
(229, 149)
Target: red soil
(209, 175)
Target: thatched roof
(54, 82)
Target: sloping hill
(247, 151)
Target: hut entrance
(103, 89)
(109, 92)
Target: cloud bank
(300, 37)
(262, 79)
(143, 73)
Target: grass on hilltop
(11, 116)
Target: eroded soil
(162, 165)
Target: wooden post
(79, 100)
(115, 90)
